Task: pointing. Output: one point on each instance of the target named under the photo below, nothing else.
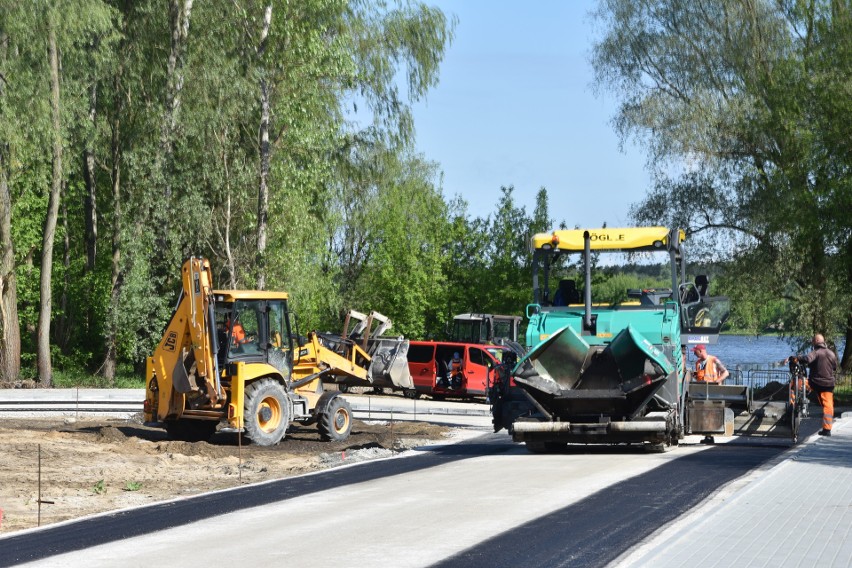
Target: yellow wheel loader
(229, 360)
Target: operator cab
(564, 293)
(485, 328)
(253, 327)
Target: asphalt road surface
(483, 502)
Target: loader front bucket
(389, 363)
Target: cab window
(479, 357)
(496, 354)
(278, 329)
(421, 353)
(243, 331)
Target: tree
(10, 333)
(736, 102)
(403, 276)
(45, 370)
(232, 129)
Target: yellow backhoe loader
(230, 360)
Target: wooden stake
(40, 500)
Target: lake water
(749, 352)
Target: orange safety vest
(705, 371)
(455, 366)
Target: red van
(430, 365)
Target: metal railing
(759, 378)
(127, 403)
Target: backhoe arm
(184, 363)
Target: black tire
(186, 430)
(438, 397)
(343, 388)
(411, 393)
(335, 421)
(267, 412)
(795, 411)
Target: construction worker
(708, 369)
(822, 365)
(238, 334)
(456, 371)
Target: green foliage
(404, 277)
(70, 377)
(738, 105)
(175, 142)
(132, 486)
(355, 218)
(613, 288)
(99, 488)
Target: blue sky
(515, 107)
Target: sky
(515, 106)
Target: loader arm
(347, 360)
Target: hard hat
(456, 355)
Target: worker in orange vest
(708, 369)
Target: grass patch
(125, 378)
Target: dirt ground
(94, 466)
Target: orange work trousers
(826, 400)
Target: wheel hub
(340, 420)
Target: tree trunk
(229, 255)
(167, 255)
(110, 349)
(10, 328)
(10, 331)
(62, 325)
(846, 359)
(179, 25)
(45, 370)
(91, 203)
(111, 356)
(263, 189)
